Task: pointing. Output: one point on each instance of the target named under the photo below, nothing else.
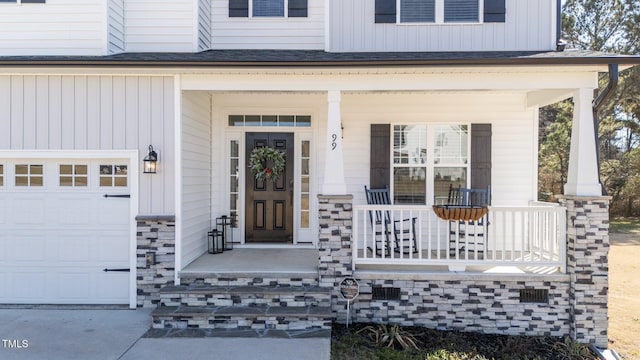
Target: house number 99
(334, 137)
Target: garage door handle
(117, 196)
(120, 270)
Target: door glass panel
(305, 179)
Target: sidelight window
(305, 178)
(234, 179)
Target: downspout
(597, 103)
(558, 22)
(560, 44)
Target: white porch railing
(529, 236)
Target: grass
(365, 341)
(624, 225)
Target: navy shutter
(238, 8)
(298, 8)
(385, 11)
(494, 11)
(481, 156)
(380, 160)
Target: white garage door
(58, 231)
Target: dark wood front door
(269, 204)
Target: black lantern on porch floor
(225, 224)
(216, 242)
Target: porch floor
(280, 262)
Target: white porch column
(334, 162)
(582, 179)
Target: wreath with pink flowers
(267, 163)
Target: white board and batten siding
(300, 33)
(58, 27)
(529, 25)
(196, 174)
(160, 25)
(95, 113)
(115, 26)
(513, 147)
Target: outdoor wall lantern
(151, 161)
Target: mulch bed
(478, 346)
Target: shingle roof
(289, 58)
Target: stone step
(265, 278)
(242, 317)
(203, 295)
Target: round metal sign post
(349, 289)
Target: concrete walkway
(67, 334)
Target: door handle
(117, 196)
(117, 270)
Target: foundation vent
(534, 296)
(385, 293)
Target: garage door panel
(28, 247)
(110, 212)
(36, 289)
(110, 285)
(4, 205)
(73, 211)
(74, 248)
(28, 211)
(75, 285)
(111, 248)
(4, 249)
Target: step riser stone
(242, 323)
(249, 281)
(245, 300)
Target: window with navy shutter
(23, 1)
(437, 12)
(417, 11)
(267, 8)
(272, 8)
(461, 11)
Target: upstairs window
(439, 11)
(267, 8)
(429, 11)
(417, 11)
(461, 10)
(271, 8)
(22, 1)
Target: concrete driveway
(66, 334)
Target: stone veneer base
(485, 303)
(155, 234)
